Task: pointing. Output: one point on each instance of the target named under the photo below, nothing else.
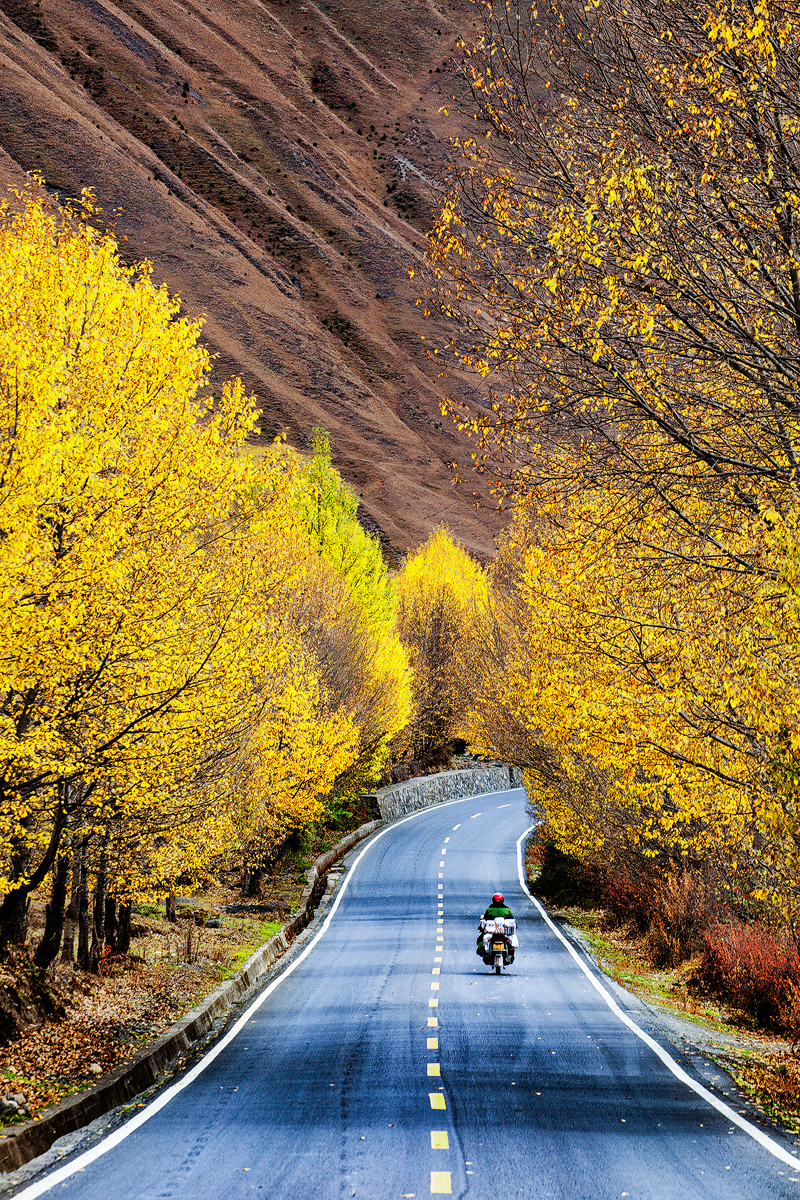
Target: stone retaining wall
(400, 799)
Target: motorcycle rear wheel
(498, 963)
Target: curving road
(389, 1062)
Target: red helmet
(498, 898)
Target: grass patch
(262, 932)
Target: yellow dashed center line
(441, 1181)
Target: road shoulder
(713, 1056)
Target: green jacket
(497, 910)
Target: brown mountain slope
(275, 160)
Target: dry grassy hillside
(276, 162)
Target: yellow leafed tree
(139, 657)
(618, 252)
(341, 603)
(442, 598)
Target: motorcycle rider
(497, 908)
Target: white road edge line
(753, 1131)
(119, 1135)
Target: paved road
(391, 1063)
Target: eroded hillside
(277, 162)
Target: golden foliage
(442, 597)
(165, 697)
(619, 254)
(341, 602)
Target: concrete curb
(21, 1143)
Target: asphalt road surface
(391, 1063)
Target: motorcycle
(499, 942)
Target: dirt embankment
(278, 163)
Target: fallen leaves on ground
(171, 968)
(772, 1081)
(108, 1019)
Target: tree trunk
(14, 908)
(169, 904)
(122, 938)
(54, 918)
(111, 921)
(83, 910)
(99, 915)
(251, 881)
(71, 918)
(13, 920)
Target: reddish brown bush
(670, 909)
(755, 970)
(680, 913)
(628, 896)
